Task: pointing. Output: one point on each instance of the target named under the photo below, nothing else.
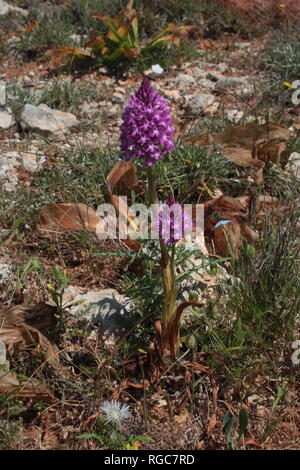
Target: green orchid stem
(170, 338)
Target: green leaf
(158, 43)
(114, 56)
(111, 44)
(163, 33)
(243, 424)
(228, 422)
(89, 436)
(135, 31)
(243, 420)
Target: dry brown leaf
(234, 211)
(92, 417)
(250, 234)
(65, 217)
(19, 329)
(95, 41)
(242, 143)
(266, 203)
(177, 33)
(201, 445)
(241, 157)
(231, 205)
(131, 53)
(30, 389)
(30, 27)
(122, 179)
(99, 16)
(123, 18)
(182, 417)
(250, 135)
(160, 412)
(274, 151)
(49, 440)
(207, 44)
(59, 55)
(211, 425)
(196, 366)
(296, 123)
(251, 442)
(228, 238)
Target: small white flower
(115, 412)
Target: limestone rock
(293, 164)
(234, 115)
(230, 82)
(201, 103)
(41, 118)
(5, 8)
(154, 71)
(6, 118)
(5, 272)
(107, 310)
(2, 93)
(184, 79)
(8, 177)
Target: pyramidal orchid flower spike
(147, 132)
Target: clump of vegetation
(60, 94)
(281, 65)
(9, 433)
(120, 43)
(282, 57)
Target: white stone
(214, 75)
(154, 71)
(107, 310)
(30, 162)
(234, 115)
(242, 45)
(5, 272)
(2, 93)
(6, 118)
(8, 162)
(5, 8)
(222, 67)
(2, 353)
(184, 79)
(200, 102)
(11, 185)
(27, 80)
(230, 82)
(89, 108)
(293, 164)
(205, 83)
(198, 72)
(173, 95)
(44, 119)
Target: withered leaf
(32, 388)
(65, 217)
(17, 330)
